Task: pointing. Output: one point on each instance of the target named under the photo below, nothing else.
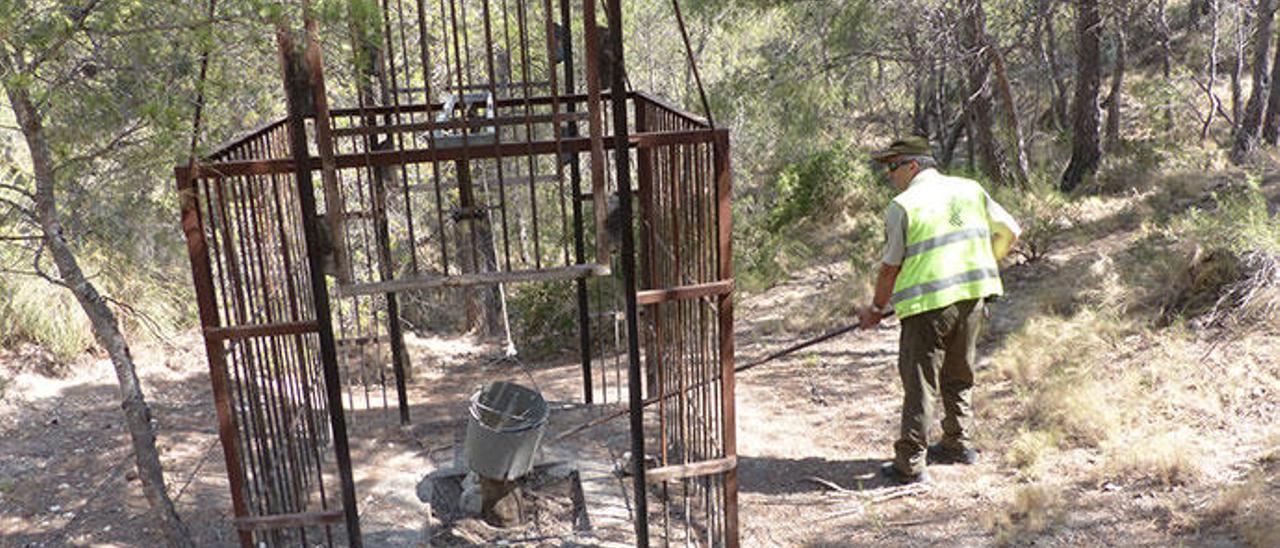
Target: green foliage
(544, 316)
(812, 189)
(828, 203)
(1044, 213)
(34, 311)
(1235, 218)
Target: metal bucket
(506, 425)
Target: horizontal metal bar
(502, 86)
(445, 185)
(684, 293)
(259, 131)
(213, 334)
(681, 471)
(422, 156)
(285, 521)
(591, 196)
(431, 107)
(461, 124)
(353, 341)
(407, 283)
(664, 105)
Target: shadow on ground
(779, 476)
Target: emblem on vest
(955, 211)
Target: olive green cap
(914, 145)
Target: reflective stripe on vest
(948, 255)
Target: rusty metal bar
(392, 158)
(725, 271)
(575, 184)
(595, 130)
(283, 521)
(659, 296)
(297, 89)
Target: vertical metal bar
(579, 239)
(425, 52)
(497, 136)
(522, 25)
(230, 307)
(556, 130)
(269, 350)
(594, 125)
(299, 353)
(297, 88)
(202, 277)
(644, 172)
(725, 267)
(378, 182)
(398, 137)
(622, 162)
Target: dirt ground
(812, 430)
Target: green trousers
(936, 353)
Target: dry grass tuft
(1030, 448)
(1255, 293)
(1250, 509)
(1167, 459)
(1038, 349)
(1033, 511)
(1082, 409)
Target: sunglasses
(893, 166)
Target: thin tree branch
(39, 272)
(23, 210)
(143, 318)
(190, 25)
(118, 142)
(17, 189)
(79, 25)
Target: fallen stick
(830, 485)
(903, 492)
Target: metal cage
(462, 166)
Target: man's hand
(869, 316)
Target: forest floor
(813, 429)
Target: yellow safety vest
(948, 255)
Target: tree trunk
(948, 152)
(106, 329)
(980, 105)
(1242, 21)
(1060, 106)
(1195, 10)
(1246, 138)
(1012, 127)
(1046, 43)
(1085, 152)
(1214, 103)
(1115, 100)
(1271, 122)
(1166, 60)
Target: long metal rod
(728, 412)
(575, 180)
(622, 163)
(389, 158)
(738, 369)
(297, 89)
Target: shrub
(1168, 459)
(1033, 511)
(35, 311)
(543, 316)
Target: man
(944, 236)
